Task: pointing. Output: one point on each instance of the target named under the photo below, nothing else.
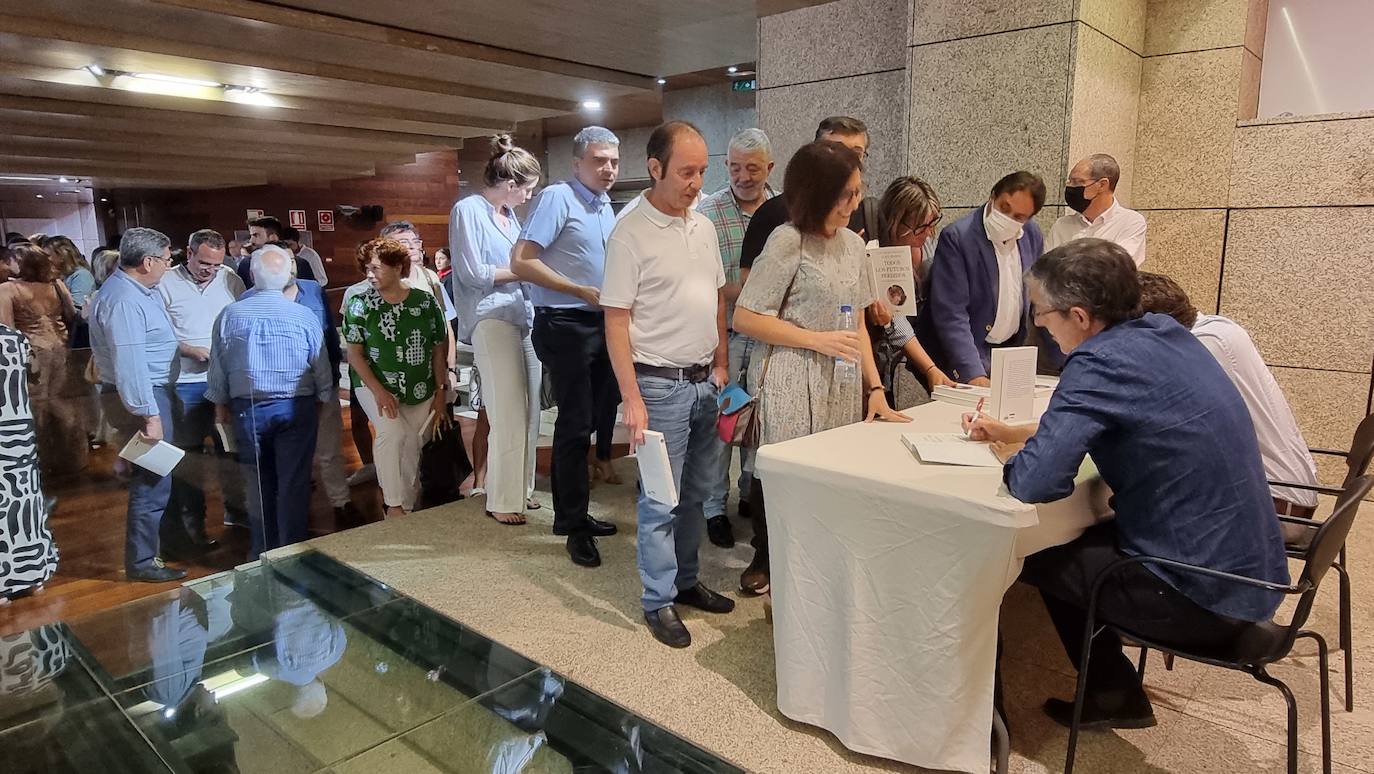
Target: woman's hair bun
(501, 144)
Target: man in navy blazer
(976, 297)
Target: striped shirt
(265, 347)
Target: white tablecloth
(887, 577)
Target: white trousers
(396, 449)
(510, 392)
(329, 451)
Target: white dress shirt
(1010, 286)
(1117, 224)
(311, 257)
(1281, 443)
(193, 310)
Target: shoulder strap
(786, 296)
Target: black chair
(1296, 542)
(1259, 645)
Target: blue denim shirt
(134, 345)
(1174, 441)
(267, 348)
(571, 224)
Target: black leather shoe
(599, 528)
(719, 531)
(703, 598)
(582, 550)
(667, 628)
(744, 510)
(1061, 711)
(157, 572)
(754, 580)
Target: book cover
(893, 279)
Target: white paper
(226, 438)
(892, 278)
(159, 458)
(950, 449)
(656, 470)
(1013, 384)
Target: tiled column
(719, 113)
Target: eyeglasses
(1084, 183)
(907, 231)
(164, 260)
(1037, 314)
(411, 242)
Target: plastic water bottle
(846, 371)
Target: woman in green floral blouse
(397, 349)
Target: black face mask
(1073, 196)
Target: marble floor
(516, 586)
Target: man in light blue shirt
(135, 352)
(561, 254)
(269, 372)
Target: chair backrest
(1361, 450)
(1326, 543)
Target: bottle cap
(846, 308)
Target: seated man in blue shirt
(1173, 439)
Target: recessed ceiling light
(591, 104)
(103, 199)
(662, 81)
(25, 178)
(38, 196)
(95, 69)
(176, 79)
(732, 69)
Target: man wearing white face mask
(976, 299)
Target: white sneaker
(363, 475)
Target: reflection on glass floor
(303, 665)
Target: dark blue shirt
(1173, 439)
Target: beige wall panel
(789, 115)
(1312, 163)
(941, 20)
(1188, 107)
(1122, 20)
(1106, 98)
(1186, 245)
(849, 37)
(1301, 280)
(983, 107)
(1174, 26)
(1328, 405)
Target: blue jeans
(276, 446)
(148, 492)
(186, 508)
(741, 347)
(669, 537)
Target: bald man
(1090, 192)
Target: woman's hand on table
(878, 409)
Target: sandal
(507, 523)
(532, 504)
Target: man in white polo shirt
(665, 331)
(1091, 193)
(195, 294)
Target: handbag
(739, 422)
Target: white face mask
(1000, 226)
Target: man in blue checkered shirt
(750, 161)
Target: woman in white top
(495, 318)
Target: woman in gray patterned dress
(28, 556)
(808, 269)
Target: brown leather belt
(696, 373)
(1285, 508)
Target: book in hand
(656, 469)
(158, 458)
(950, 449)
(893, 279)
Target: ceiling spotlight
(104, 199)
(732, 69)
(96, 70)
(38, 196)
(176, 79)
(662, 81)
(591, 104)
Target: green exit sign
(745, 85)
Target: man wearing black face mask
(1091, 193)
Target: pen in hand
(973, 419)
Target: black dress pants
(571, 344)
(1135, 599)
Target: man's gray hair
(270, 273)
(750, 141)
(1101, 165)
(205, 236)
(592, 135)
(1094, 275)
(397, 226)
(139, 243)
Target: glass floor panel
(304, 665)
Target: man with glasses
(1091, 193)
(749, 161)
(195, 294)
(135, 352)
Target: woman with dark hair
(909, 213)
(72, 268)
(443, 264)
(808, 270)
(495, 318)
(396, 348)
(37, 304)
